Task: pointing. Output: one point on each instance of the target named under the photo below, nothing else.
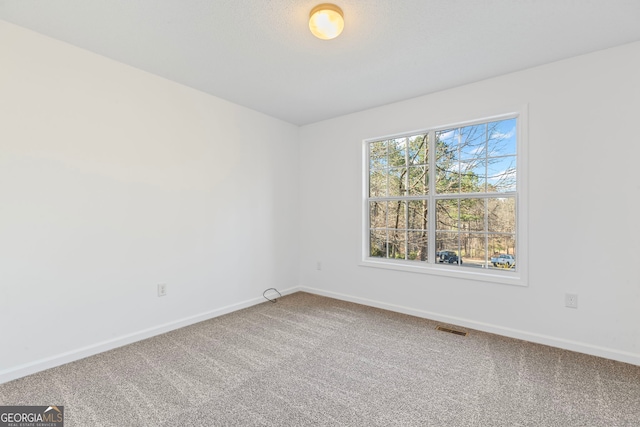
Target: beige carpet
(313, 361)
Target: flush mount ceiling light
(326, 21)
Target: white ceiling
(260, 53)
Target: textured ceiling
(260, 53)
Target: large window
(445, 198)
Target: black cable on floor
(271, 289)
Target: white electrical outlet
(162, 290)
(571, 300)
(318, 265)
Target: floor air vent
(451, 331)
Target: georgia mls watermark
(31, 416)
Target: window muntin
(472, 194)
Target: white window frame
(518, 277)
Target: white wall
(112, 181)
(584, 195)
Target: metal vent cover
(451, 331)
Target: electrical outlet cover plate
(571, 300)
(162, 290)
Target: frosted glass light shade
(326, 21)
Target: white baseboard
(576, 346)
(80, 353)
(70, 356)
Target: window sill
(484, 275)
